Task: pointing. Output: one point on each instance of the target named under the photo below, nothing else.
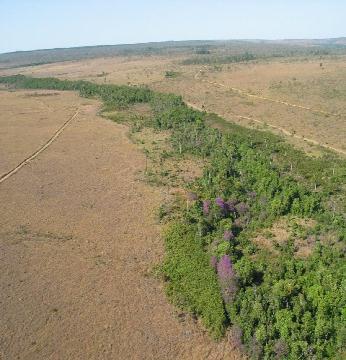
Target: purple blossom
(227, 278)
(228, 235)
(225, 268)
(206, 207)
(239, 223)
(213, 262)
(191, 196)
(242, 208)
(235, 338)
(231, 205)
(219, 202)
(222, 205)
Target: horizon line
(171, 41)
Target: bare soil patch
(285, 230)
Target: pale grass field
(299, 82)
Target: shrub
(192, 283)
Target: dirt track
(274, 127)
(296, 98)
(77, 242)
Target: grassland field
(314, 82)
(254, 214)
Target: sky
(42, 24)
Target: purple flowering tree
(206, 207)
(231, 205)
(222, 205)
(242, 208)
(191, 196)
(235, 338)
(227, 278)
(228, 235)
(213, 262)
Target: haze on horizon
(30, 25)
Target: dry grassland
(297, 98)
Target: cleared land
(78, 242)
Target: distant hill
(276, 47)
(36, 57)
(320, 42)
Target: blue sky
(37, 24)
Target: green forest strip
(205, 57)
(280, 301)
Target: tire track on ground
(245, 93)
(284, 131)
(38, 151)
(92, 296)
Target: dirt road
(265, 123)
(78, 239)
